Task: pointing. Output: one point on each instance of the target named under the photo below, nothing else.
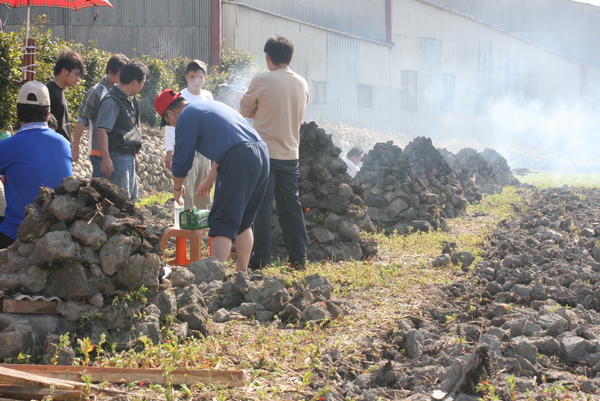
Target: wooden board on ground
(231, 378)
(13, 382)
(33, 393)
(24, 379)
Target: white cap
(34, 92)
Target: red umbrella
(70, 4)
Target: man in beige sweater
(276, 101)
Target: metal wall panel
(343, 58)
(569, 27)
(365, 18)
(151, 27)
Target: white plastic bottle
(178, 209)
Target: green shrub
(161, 77)
(178, 66)
(10, 60)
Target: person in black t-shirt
(68, 70)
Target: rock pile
(525, 320)
(86, 244)
(153, 176)
(499, 165)
(258, 297)
(415, 189)
(420, 187)
(486, 172)
(83, 242)
(332, 201)
(395, 197)
(436, 175)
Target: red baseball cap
(163, 101)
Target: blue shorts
(242, 178)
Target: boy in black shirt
(68, 70)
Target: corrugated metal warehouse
(440, 71)
(131, 27)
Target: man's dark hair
(134, 69)
(354, 152)
(68, 61)
(279, 49)
(32, 113)
(116, 63)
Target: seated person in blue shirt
(240, 167)
(35, 156)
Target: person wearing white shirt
(352, 160)
(195, 75)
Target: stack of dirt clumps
(397, 200)
(502, 171)
(486, 172)
(420, 187)
(437, 176)
(84, 243)
(332, 202)
(93, 259)
(523, 323)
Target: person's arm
(106, 166)
(169, 144)
(185, 148)
(77, 133)
(178, 189)
(108, 112)
(87, 107)
(206, 185)
(249, 101)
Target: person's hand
(177, 194)
(107, 166)
(75, 153)
(204, 189)
(169, 160)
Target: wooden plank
(26, 306)
(32, 393)
(232, 378)
(26, 379)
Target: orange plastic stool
(181, 235)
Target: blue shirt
(211, 128)
(34, 156)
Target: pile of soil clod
(522, 324)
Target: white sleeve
(169, 138)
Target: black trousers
(5, 240)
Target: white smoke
(560, 136)
(592, 2)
